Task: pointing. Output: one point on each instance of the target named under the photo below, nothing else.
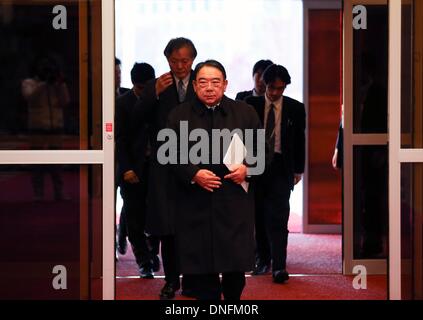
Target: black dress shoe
(156, 263)
(168, 291)
(280, 276)
(146, 272)
(261, 269)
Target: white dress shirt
(278, 119)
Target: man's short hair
(178, 43)
(274, 72)
(210, 63)
(142, 72)
(261, 65)
(117, 62)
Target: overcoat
(214, 230)
(154, 111)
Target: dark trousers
(209, 286)
(134, 208)
(171, 264)
(263, 256)
(170, 259)
(276, 189)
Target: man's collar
(184, 80)
(275, 103)
(201, 108)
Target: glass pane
(325, 190)
(370, 201)
(370, 54)
(51, 232)
(412, 231)
(412, 75)
(50, 82)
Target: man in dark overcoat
(158, 98)
(215, 214)
(132, 168)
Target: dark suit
(243, 94)
(123, 232)
(275, 185)
(121, 91)
(160, 215)
(131, 142)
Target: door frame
(108, 69)
(307, 6)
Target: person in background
(338, 153)
(47, 96)
(118, 78)
(122, 233)
(132, 159)
(284, 123)
(158, 98)
(259, 87)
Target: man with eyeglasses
(284, 122)
(215, 215)
(158, 98)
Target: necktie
(270, 128)
(181, 91)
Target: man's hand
(335, 158)
(207, 180)
(297, 178)
(238, 174)
(164, 81)
(130, 177)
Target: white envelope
(235, 155)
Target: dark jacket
(215, 230)
(131, 137)
(243, 94)
(154, 111)
(292, 133)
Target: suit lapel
(172, 91)
(190, 89)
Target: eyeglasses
(215, 83)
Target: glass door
(56, 150)
(366, 209)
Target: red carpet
(307, 254)
(329, 287)
(315, 265)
